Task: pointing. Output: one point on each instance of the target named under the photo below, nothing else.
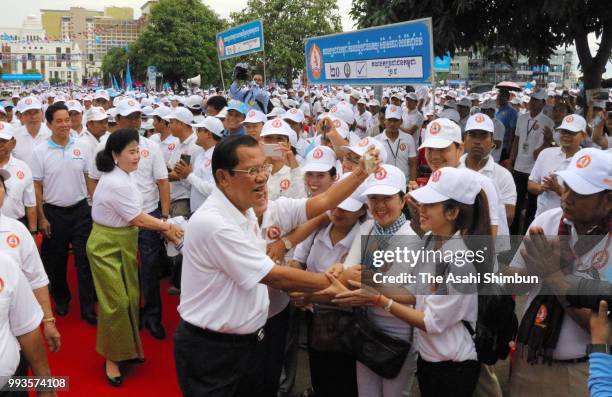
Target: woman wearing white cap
(319, 170)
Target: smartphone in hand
(272, 151)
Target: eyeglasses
(254, 171)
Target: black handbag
(368, 344)
(327, 325)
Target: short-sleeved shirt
(17, 242)
(224, 261)
(508, 116)
(411, 118)
(550, 160)
(117, 199)
(501, 177)
(19, 189)
(201, 179)
(20, 314)
(400, 151)
(530, 134)
(91, 142)
(362, 119)
(167, 146)
(573, 339)
(286, 182)
(62, 172)
(181, 189)
(25, 144)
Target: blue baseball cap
(237, 106)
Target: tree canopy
(114, 62)
(532, 28)
(287, 24)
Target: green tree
(31, 71)
(114, 62)
(287, 24)
(532, 28)
(180, 40)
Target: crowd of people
(261, 205)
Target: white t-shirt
(201, 179)
(25, 144)
(167, 145)
(62, 171)
(499, 130)
(286, 182)
(501, 177)
(220, 285)
(573, 338)
(17, 242)
(411, 118)
(530, 133)
(19, 189)
(20, 314)
(362, 120)
(400, 151)
(116, 200)
(181, 189)
(550, 160)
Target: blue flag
(128, 78)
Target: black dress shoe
(62, 308)
(156, 329)
(113, 381)
(90, 318)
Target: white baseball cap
(275, 112)
(339, 125)
(441, 133)
(374, 102)
(465, 102)
(147, 110)
(539, 94)
(589, 172)
(255, 116)
(101, 94)
(96, 113)
(6, 131)
(448, 183)
(451, 114)
(212, 124)
(29, 103)
(356, 94)
(574, 123)
(295, 115)
(481, 122)
(343, 111)
(393, 112)
(162, 111)
(488, 104)
(412, 96)
(276, 127)
(387, 181)
(74, 106)
(362, 147)
(356, 200)
(319, 159)
(181, 114)
(128, 106)
(194, 102)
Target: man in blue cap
(236, 112)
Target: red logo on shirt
(285, 184)
(76, 152)
(583, 161)
(435, 177)
(317, 154)
(273, 232)
(364, 142)
(145, 153)
(171, 146)
(12, 240)
(542, 314)
(600, 259)
(1, 284)
(380, 175)
(207, 163)
(435, 128)
(402, 146)
(479, 118)
(20, 174)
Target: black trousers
(150, 247)
(70, 226)
(273, 350)
(447, 378)
(521, 179)
(217, 365)
(332, 374)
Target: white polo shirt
(19, 189)
(20, 314)
(201, 179)
(530, 133)
(91, 143)
(25, 144)
(501, 177)
(62, 171)
(151, 168)
(286, 182)
(281, 217)
(550, 160)
(181, 189)
(410, 118)
(167, 145)
(400, 151)
(17, 242)
(362, 119)
(573, 338)
(224, 260)
(117, 199)
(499, 130)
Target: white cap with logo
(319, 159)
(387, 181)
(162, 111)
(448, 183)
(181, 114)
(480, 122)
(6, 131)
(212, 124)
(295, 115)
(28, 103)
(393, 112)
(128, 106)
(343, 111)
(254, 116)
(276, 127)
(74, 106)
(441, 133)
(96, 113)
(362, 147)
(589, 172)
(574, 123)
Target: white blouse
(117, 200)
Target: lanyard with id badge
(534, 126)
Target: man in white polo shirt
(412, 118)
(551, 330)
(76, 117)
(163, 136)
(59, 168)
(362, 118)
(542, 181)
(399, 145)
(32, 132)
(20, 201)
(97, 127)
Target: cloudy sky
(14, 15)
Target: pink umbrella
(508, 85)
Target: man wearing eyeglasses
(224, 298)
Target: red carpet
(79, 360)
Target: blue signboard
(241, 40)
(442, 64)
(21, 77)
(400, 53)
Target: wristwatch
(288, 244)
(598, 348)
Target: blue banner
(240, 40)
(442, 64)
(401, 53)
(21, 77)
